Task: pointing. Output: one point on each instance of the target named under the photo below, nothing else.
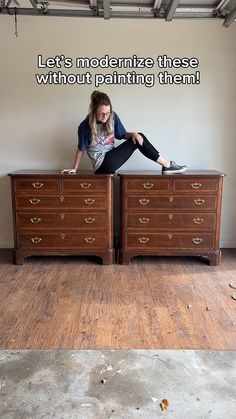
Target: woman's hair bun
(95, 96)
(99, 98)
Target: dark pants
(115, 158)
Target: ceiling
(108, 9)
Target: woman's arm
(78, 157)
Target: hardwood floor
(155, 303)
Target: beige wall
(192, 124)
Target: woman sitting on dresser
(97, 134)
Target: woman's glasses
(103, 113)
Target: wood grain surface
(154, 303)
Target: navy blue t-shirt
(84, 132)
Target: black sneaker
(173, 169)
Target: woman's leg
(115, 158)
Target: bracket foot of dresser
(107, 256)
(215, 259)
(19, 256)
(212, 259)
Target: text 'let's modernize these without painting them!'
(106, 70)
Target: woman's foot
(173, 169)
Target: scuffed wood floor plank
(155, 303)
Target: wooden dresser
(57, 214)
(171, 214)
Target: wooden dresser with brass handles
(57, 214)
(171, 214)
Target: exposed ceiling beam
(171, 9)
(222, 4)
(106, 9)
(157, 4)
(156, 8)
(94, 7)
(230, 18)
(14, 1)
(68, 4)
(122, 11)
(191, 11)
(50, 12)
(34, 3)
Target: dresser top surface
(56, 173)
(134, 173)
(194, 173)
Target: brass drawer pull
(89, 220)
(35, 220)
(85, 185)
(143, 239)
(170, 236)
(196, 185)
(197, 240)
(37, 185)
(62, 216)
(34, 201)
(199, 201)
(144, 220)
(62, 198)
(198, 220)
(36, 239)
(144, 201)
(171, 198)
(170, 216)
(90, 240)
(89, 201)
(148, 185)
(63, 236)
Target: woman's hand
(69, 171)
(137, 138)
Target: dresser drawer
(183, 202)
(86, 185)
(195, 185)
(37, 185)
(151, 185)
(152, 220)
(61, 201)
(170, 240)
(59, 220)
(40, 240)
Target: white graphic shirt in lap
(99, 146)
